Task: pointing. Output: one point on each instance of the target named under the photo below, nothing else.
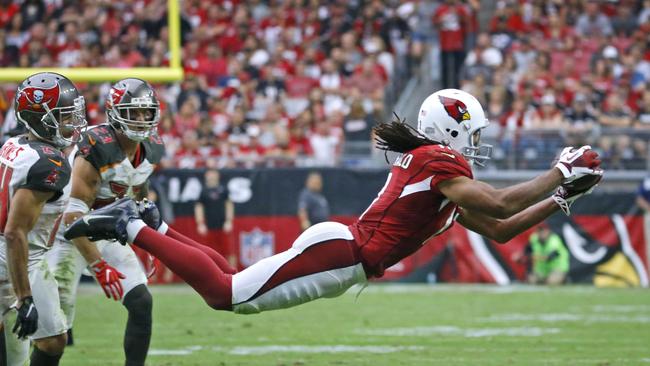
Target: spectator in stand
(616, 113)
(642, 120)
(592, 21)
(582, 121)
(451, 19)
(483, 60)
(547, 116)
(298, 87)
(187, 117)
(368, 80)
(299, 143)
(498, 103)
(189, 155)
(325, 142)
(484, 53)
(358, 124)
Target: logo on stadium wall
(255, 245)
(455, 109)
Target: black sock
(40, 358)
(70, 339)
(3, 348)
(138, 327)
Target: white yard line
(273, 348)
(457, 331)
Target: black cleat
(149, 213)
(108, 222)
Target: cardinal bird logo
(33, 99)
(455, 109)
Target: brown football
(583, 183)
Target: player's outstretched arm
(502, 203)
(502, 230)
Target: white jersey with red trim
(35, 165)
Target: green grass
(420, 325)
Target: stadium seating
(277, 85)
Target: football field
(385, 325)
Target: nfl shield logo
(255, 245)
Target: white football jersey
(38, 166)
(119, 177)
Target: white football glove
(575, 163)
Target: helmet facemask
(138, 119)
(66, 123)
(476, 152)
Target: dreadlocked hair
(398, 136)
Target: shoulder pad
(154, 149)
(50, 173)
(99, 146)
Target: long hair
(399, 137)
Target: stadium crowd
(274, 81)
(288, 82)
(553, 73)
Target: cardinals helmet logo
(33, 99)
(455, 109)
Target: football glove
(150, 214)
(565, 196)
(27, 317)
(575, 163)
(108, 278)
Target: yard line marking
(567, 317)
(274, 348)
(341, 348)
(457, 331)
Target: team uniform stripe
(320, 257)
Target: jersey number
(403, 161)
(5, 179)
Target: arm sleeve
(48, 174)
(446, 168)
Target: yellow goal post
(102, 74)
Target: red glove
(575, 163)
(108, 278)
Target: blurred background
(275, 90)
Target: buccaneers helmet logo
(33, 99)
(455, 109)
(116, 94)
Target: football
(583, 183)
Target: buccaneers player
(113, 160)
(429, 187)
(33, 174)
